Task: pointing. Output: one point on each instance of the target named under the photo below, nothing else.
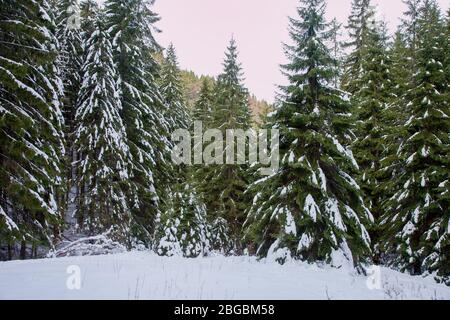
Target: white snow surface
(144, 275)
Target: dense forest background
(88, 102)
(192, 84)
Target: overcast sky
(201, 30)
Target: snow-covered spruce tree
(394, 118)
(398, 112)
(183, 228)
(31, 139)
(130, 24)
(176, 112)
(227, 183)
(231, 98)
(221, 240)
(203, 111)
(172, 91)
(372, 105)
(311, 208)
(416, 218)
(360, 23)
(100, 139)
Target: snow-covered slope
(148, 276)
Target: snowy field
(147, 276)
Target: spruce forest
(89, 101)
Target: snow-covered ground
(140, 275)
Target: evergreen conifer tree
(394, 118)
(31, 139)
(184, 228)
(228, 182)
(203, 112)
(100, 140)
(416, 218)
(373, 104)
(172, 90)
(311, 208)
(360, 25)
(131, 27)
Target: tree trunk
(23, 250)
(9, 252)
(34, 251)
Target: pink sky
(201, 30)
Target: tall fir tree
(231, 98)
(227, 183)
(183, 229)
(311, 208)
(172, 90)
(131, 26)
(360, 25)
(203, 112)
(176, 113)
(31, 123)
(416, 218)
(394, 118)
(100, 140)
(373, 104)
